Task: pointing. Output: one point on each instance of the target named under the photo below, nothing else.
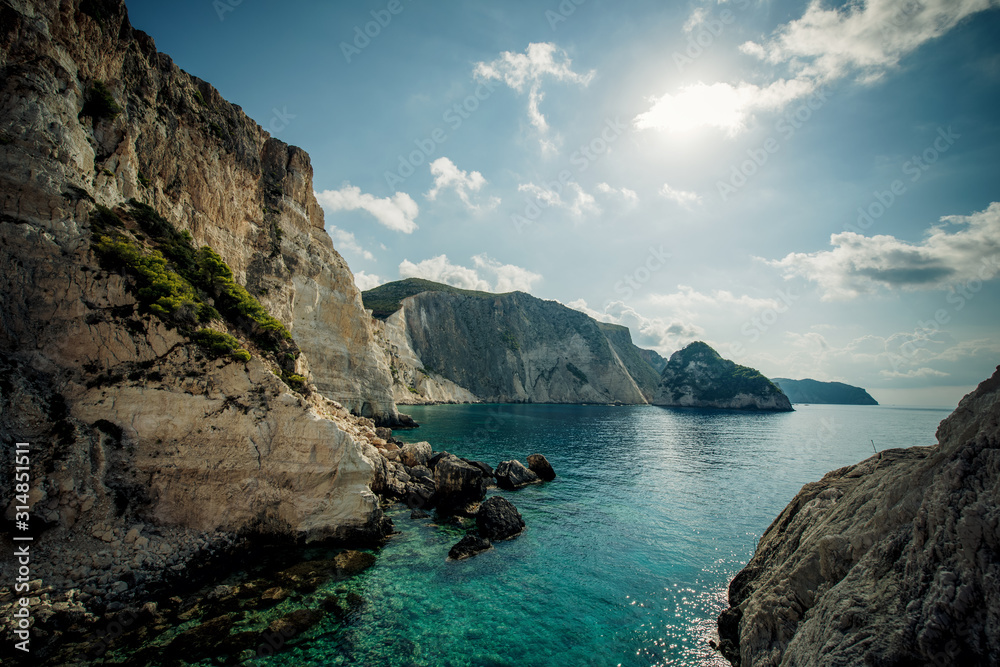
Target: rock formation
(513, 475)
(697, 377)
(451, 345)
(892, 561)
(498, 519)
(540, 465)
(813, 391)
(168, 408)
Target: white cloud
(689, 303)
(863, 39)
(396, 212)
(630, 196)
(682, 197)
(580, 203)
(664, 336)
(345, 240)
(914, 373)
(506, 277)
(449, 177)
(719, 105)
(862, 264)
(367, 281)
(526, 71)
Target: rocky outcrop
(151, 450)
(540, 465)
(458, 345)
(457, 482)
(697, 377)
(833, 393)
(513, 475)
(893, 561)
(498, 519)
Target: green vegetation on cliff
(179, 284)
(384, 300)
(699, 376)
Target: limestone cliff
(506, 348)
(92, 112)
(109, 339)
(698, 377)
(893, 561)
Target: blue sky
(809, 187)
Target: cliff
(169, 305)
(506, 348)
(813, 391)
(893, 561)
(698, 377)
(154, 133)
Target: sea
(627, 554)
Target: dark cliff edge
(892, 561)
(823, 393)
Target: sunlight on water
(627, 554)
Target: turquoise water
(627, 554)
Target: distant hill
(699, 377)
(813, 391)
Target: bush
(241, 355)
(296, 382)
(217, 342)
(99, 103)
(103, 217)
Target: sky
(810, 187)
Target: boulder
(541, 467)
(513, 475)
(433, 461)
(419, 514)
(498, 519)
(457, 482)
(468, 546)
(487, 470)
(415, 454)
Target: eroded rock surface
(893, 561)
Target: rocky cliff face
(131, 423)
(197, 159)
(893, 561)
(697, 377)
(511, 348)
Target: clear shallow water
(627, 554)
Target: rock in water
(457, 482)
(498, 519)
(468, 546)
(513, 475)
(541, 467)
(893, 561)
(415, 454)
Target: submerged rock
(498, 519)
(468, 546)
(541, 467)
(513, 475)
